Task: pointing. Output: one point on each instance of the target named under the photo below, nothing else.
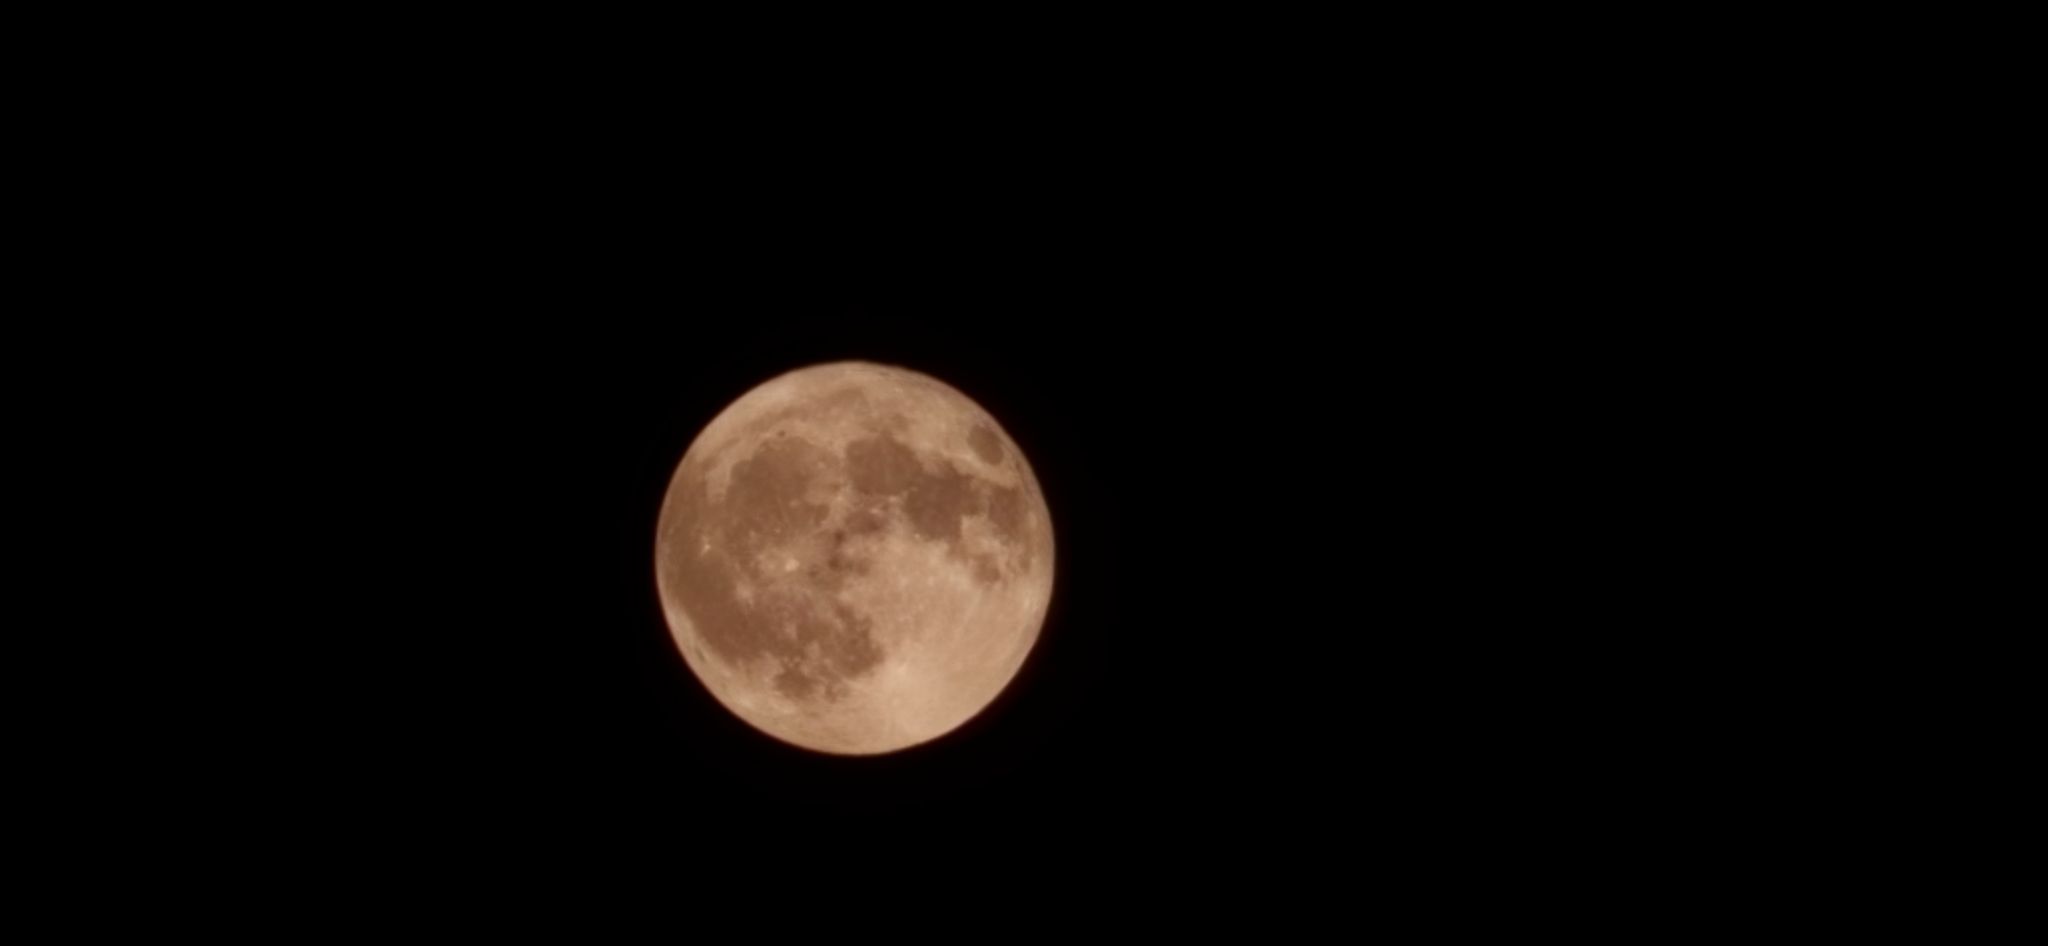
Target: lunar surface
(854, 558)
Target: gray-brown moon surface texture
(854, 558)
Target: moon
(854, 558)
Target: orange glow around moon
(854, 558)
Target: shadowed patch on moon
(1008, 512)
(830, 650)
(765, 502)
(986, 570)
(938, 503)
(818, 647)
(883, 466)
(937, 499)
(986, 444)
(840, 562)
(864, 520)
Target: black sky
(1423, 460)
(1311, 565)
(1348, 528)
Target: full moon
(854, 558)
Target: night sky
(1331, 562)
(1414, 461)
(1303, 563)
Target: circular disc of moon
(854, 558)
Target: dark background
(1320, 576)
(1449, 469)
(1363, 493)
